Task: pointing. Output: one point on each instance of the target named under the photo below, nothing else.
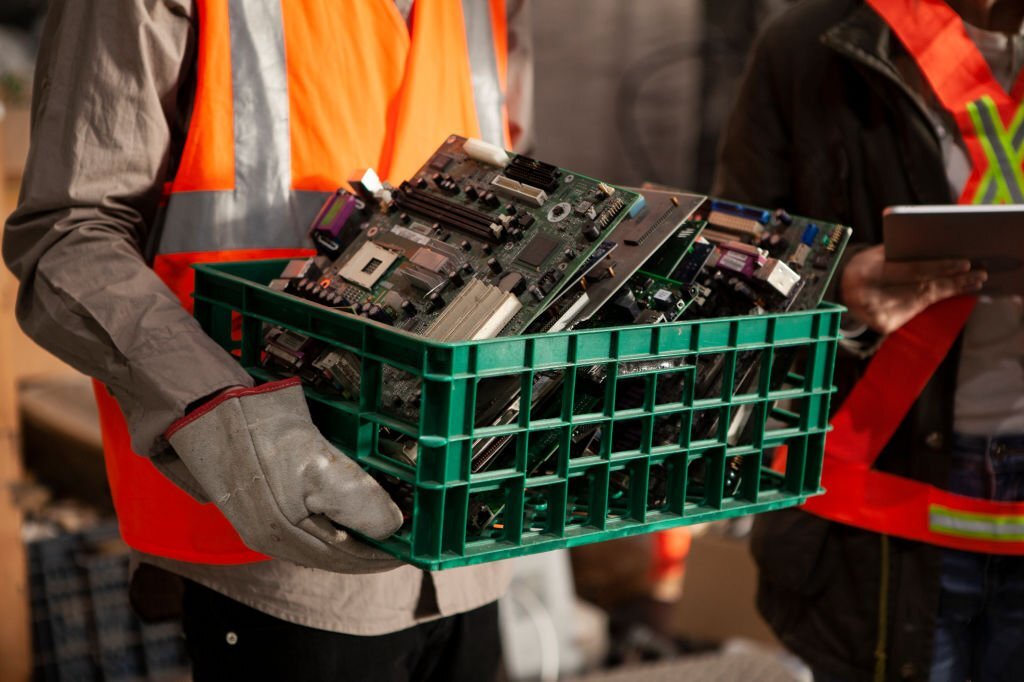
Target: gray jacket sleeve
(106, 119)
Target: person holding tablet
(910, 567)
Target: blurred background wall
(639, 91)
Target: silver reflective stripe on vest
(262, 211)
(483, 62)
(221, 221)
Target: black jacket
(826, 127)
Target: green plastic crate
(578, 504)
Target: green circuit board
(469, 235)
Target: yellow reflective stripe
(1001, 527)
(998, 168)
(1006, 140)
(987, 189)
(1003, 180)
(1016, 132)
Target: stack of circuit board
(481, 243)
(478, 243)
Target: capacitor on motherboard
(379, 314)
(744, 290)
(435, 300)
(777, 244)
(782, 217)
(591, 232)
(627, 303)
(494, 265)
(455, 279)
(810, 232)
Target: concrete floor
(714, 667)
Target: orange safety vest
(292, 97)
(991, 123)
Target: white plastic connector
(779, 275)
(485, 152)
(366, 180)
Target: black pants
(230, 641)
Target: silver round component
(232, 638)
(569, 179)
(559, 212)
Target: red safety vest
(990, 123)
(292, 97)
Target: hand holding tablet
(885, 295)
(990, 237)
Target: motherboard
(477, 243)
(481, 242)
(724, 260)
(634, 241)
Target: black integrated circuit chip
(537, 251)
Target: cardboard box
(718, 596)
(14, 129)
(18, 357)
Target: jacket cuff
(223, 397)
(157, 388)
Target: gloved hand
(259, 458)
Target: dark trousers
(980, 630)
(230, 641)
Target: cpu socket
(368, 265)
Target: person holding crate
(171, 132)
(910, 566)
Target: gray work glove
(257, 456)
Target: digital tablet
(991, 237)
